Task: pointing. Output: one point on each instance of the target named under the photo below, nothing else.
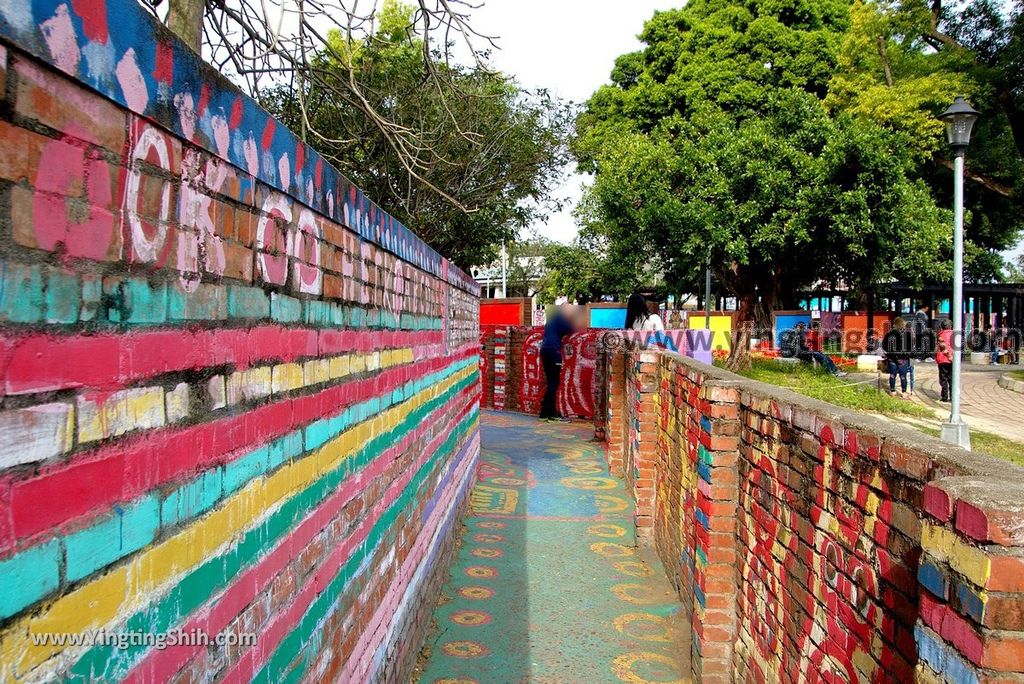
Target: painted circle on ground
(471, 618)
(465, 649)
(491, 525)
(611, 550)
(640, 594)
(592, 483)
(633, 568)
(487, 553)
(646, 668)
(485, 538)
(476, 593)
(644, 626)
(585, 468)
(481, 571)
(507, 481)
(610, 504)
(607, 531)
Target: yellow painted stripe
(945, 545)
(152, 572)
(285, 377)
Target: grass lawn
(987, 443)
(1016, 375)
(815, 382)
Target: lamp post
(959, 120)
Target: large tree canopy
(492, 152)
(897, 67)
(715, 141)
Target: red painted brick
(938, 502)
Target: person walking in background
(639, 316)
(944, 358)
(898, 345)
(562, 322)
(1011, 345)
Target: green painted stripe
(195, 588)
(276, 668)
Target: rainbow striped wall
(238, 401)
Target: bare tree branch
(274, 42)
(984, 181)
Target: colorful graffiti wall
(238, 402)
(813, 544)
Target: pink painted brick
(938, 502)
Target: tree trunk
(739, 355)
(185, 20)
(1014, 116)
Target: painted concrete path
(548, 585)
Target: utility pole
(707, 293)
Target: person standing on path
(898, 345)
(561, 323)
(639, 316)
(921, 328)
(944, 358)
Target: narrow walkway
(549, 585)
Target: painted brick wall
(235, 395)
(809, 543)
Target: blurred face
(576, 315)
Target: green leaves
(466, 158)
(794, 140)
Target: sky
(568, 47)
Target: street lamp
(959, 120)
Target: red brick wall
(810, 543)
(582, 384)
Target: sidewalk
(984, 404)
(549, 585)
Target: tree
(527, 261)
(272, 43)
(889, 71)
(714, 141)
(506, 175)
(571, 271)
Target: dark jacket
(556, 328)
(924, 337)
(899, 344)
